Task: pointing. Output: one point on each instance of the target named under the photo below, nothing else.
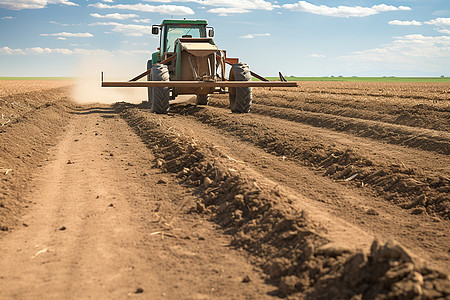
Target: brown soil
(106, 202)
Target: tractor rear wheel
(149, 89)
(202, 100)
(240, 97)
(160, 95)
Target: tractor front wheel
(202, 100)
(240, 97)
(160, 95)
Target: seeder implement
(198, 84)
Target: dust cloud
(87, 88)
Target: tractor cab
(172, 30)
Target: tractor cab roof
(187, 22)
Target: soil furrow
(413, 90)
(419, 115)
(432, 113)
(288, 244)
(16, 106)
(424, 139)
(409, 187)
(24, 143)
(357, 206)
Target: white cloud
(139, 44)
(225, 11)
(445, 31)
(414, 38)
(127, 29)
(242, 4)
(342, 11)
(224, 7)
(7, 17)
(134, 44)
(410, 53)
(61, 38)
(92, 52)
(439, 22)
(162, 9)
(253, 35)
(32, 4)
(143, 21)
(317, 55)
(56, 23)
(133, 52)
(440, 12)
(80, 45)
(9, 51)
(39, 50)
(63, 51)
(64, 2)
(405, 23)
(68, 34)
(115, 16)
(65, 25)
(23, 4)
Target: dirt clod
(207, 182)
(418, 211)
(162, 181)
(372, 212)
(288, 284)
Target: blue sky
(301, 38)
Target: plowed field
(326, 191)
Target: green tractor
(188, 62)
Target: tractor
(188, 62)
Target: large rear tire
(160, 95)
(149, 89)
(240, 97)
(202, 100)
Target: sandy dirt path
(104, 224)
